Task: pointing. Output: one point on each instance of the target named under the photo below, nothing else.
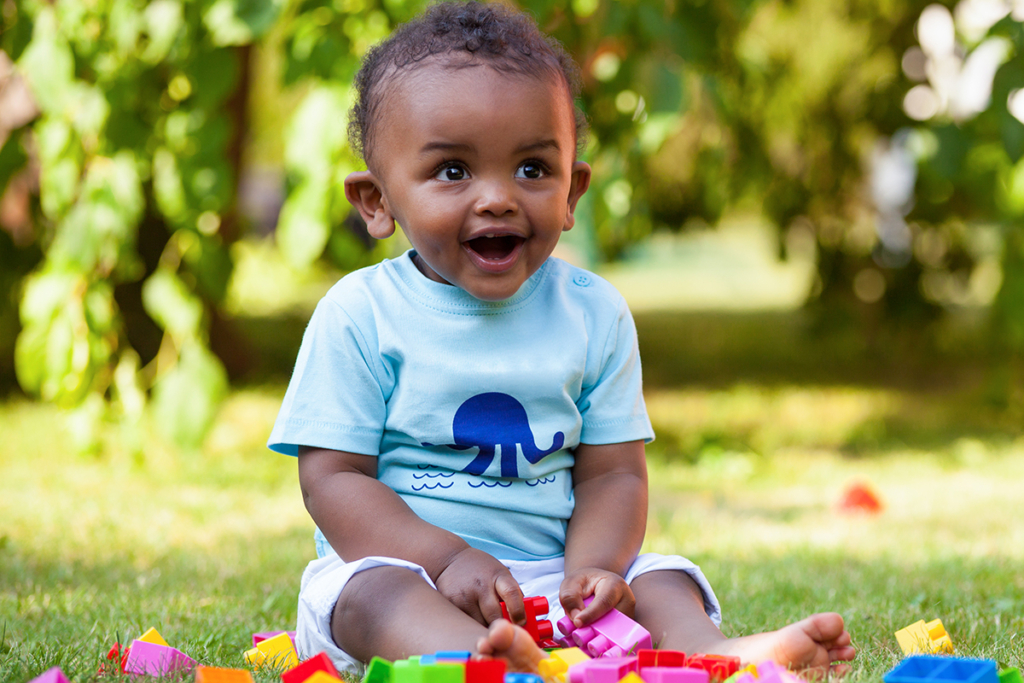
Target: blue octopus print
(486, 421)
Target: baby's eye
(531, 170)
(452, 172)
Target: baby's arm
(361, 517)
(606, 529)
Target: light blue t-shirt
(473, 408)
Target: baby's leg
(393, 613)
(670, 605)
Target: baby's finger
(571, 594)
(510, 593)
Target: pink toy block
(156, 660)
(258, 638)
(54, 675)
(603, 670)
(320, 662)
(770, 672)
(674, 674)
(613, 635)
(661, 658)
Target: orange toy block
(214, 674)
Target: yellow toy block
(557, 664)
(153, 636)
(321, 677)
(925, 638)
(277, 652)
(213, 674)
(631, 677)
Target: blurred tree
(119, 182)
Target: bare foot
(810, 646)
(505, 640)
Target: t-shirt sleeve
(612, 401)
(335, 398)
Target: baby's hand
(609, 590)
(477, 583)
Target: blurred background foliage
(149, 150)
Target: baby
(468, 418)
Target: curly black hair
(508, 40)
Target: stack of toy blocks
(149, 655)
(440, 667)
(925, 643)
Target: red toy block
(485, 671)
(320, 662)
(719, 667)
(661, 658)
(858, 497)
(118, 655)
(540, 630)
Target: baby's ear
(362, 189)
(579, 184)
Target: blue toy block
(452, 655)
(428, 659)
(523, 678)
(938, 669)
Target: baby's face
(478, 168)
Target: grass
(762, 420)
(209, 546)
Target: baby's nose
(496, 197)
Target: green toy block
(1010, 676)
(378, 671)
(444, 672)
(407, 671)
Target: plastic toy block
(940, 669)
(603, 670)
(378, 671)
(747, 674)
(1010, 676)
(661, 658)
(428, 659)
(303, 671)
(277, 652)
(523, 678)
(485, 671)
(452, 655)
(153, 636)
(770, 672)
(540, 629)
(719, 667)
(674, 674)
(213, 674)
(557, 664)
(407, 671)
(922, 638)
(613, 635)
(54, 675)
(322, 677)
(117, 654)
(258, 638)
(443, 672)
(156, 660)
(859, 497)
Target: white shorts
(325, 578)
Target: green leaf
(302, 229)
(163, 20)
(186, 398)
(170, 303)
(167, 186)
(45, 294)
(48, 64)
(314, 139)
(239, 22)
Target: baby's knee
(375, 593)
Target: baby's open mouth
(495, 248)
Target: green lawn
(208, 546)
